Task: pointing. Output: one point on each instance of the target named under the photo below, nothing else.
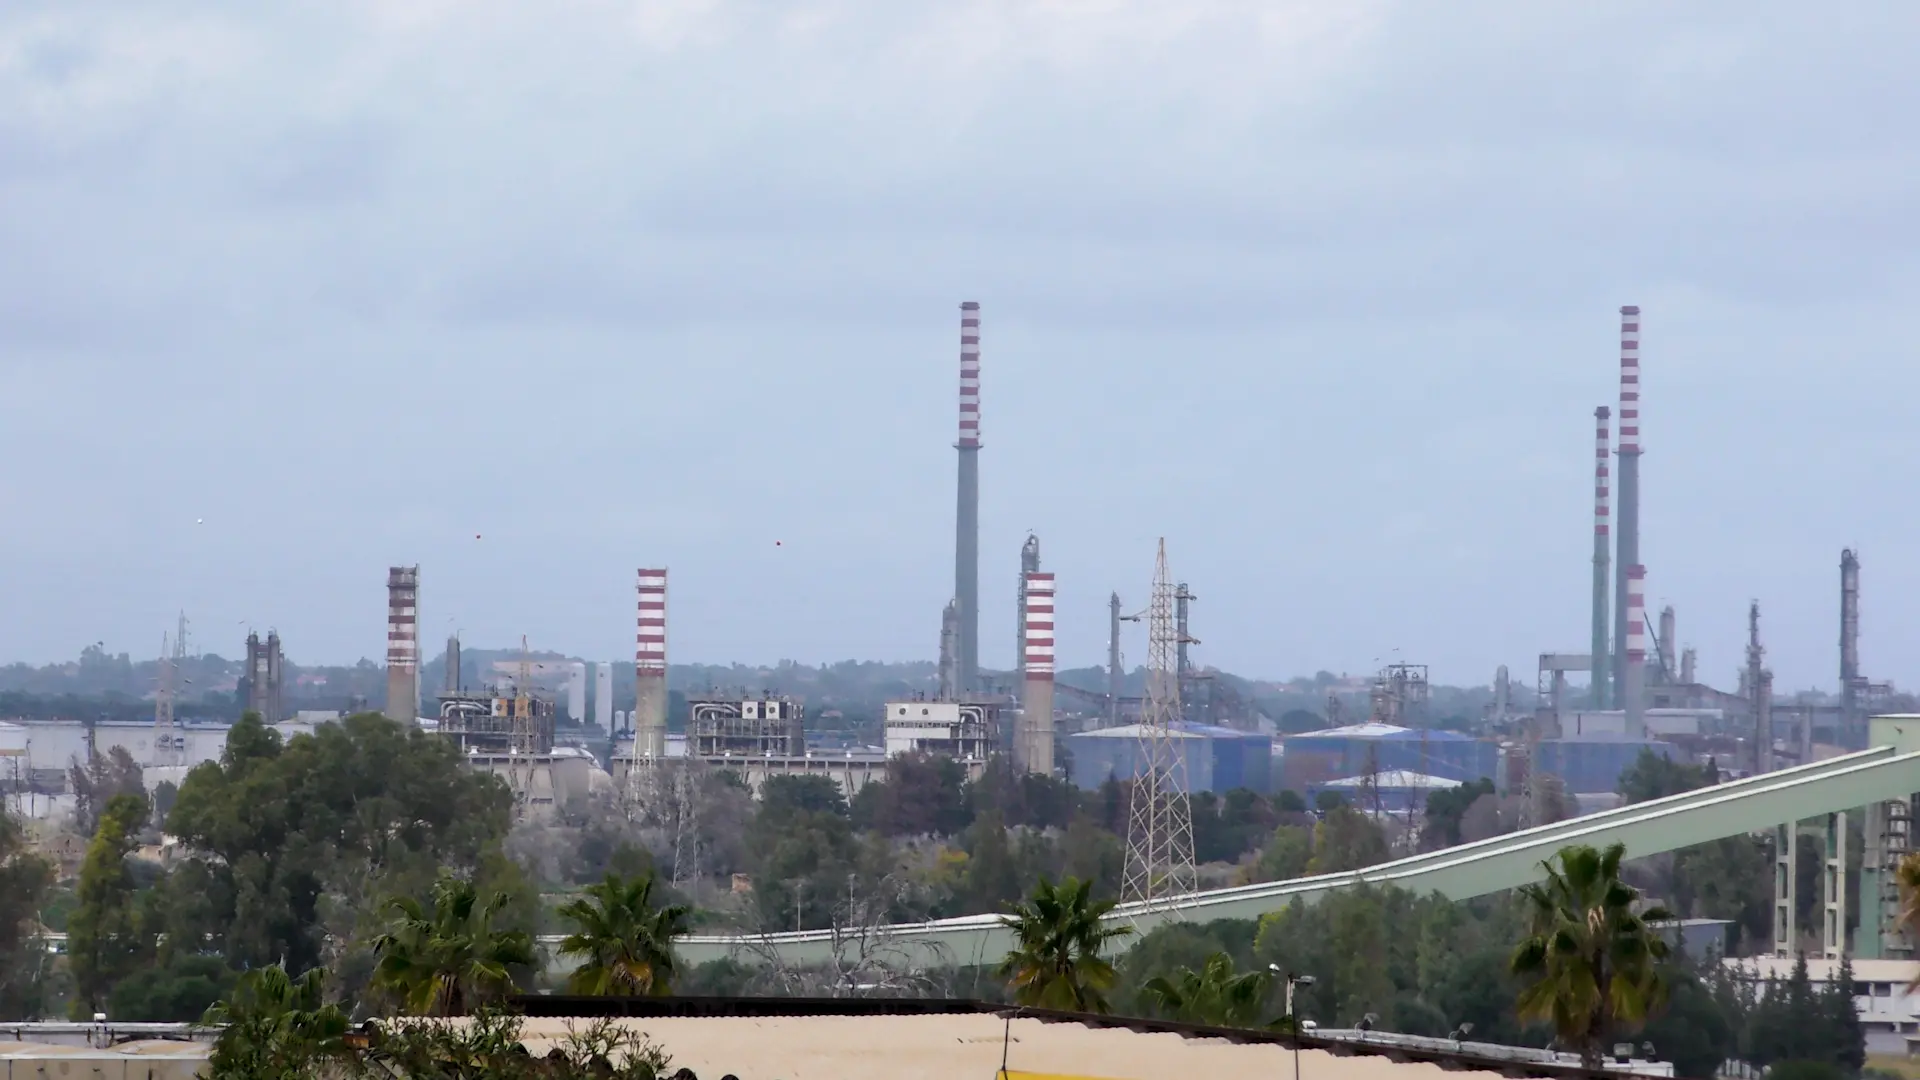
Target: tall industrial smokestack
(403, 643)
(1029, 563)
(1035, 748)
(1849, 643)
(1602, 558)
(966, 542)
(1633, 696)
(1114, 678)
(650, 668)
(1627, 540)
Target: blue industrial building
(1593, 764)
(1314, 758)
(1217, 759)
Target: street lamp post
(1293, 1017)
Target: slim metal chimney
(1849, 643)
(966, 544)
(650, 668)
(453, 663)
(1029, 563)
(1036, 706)
(1633, 698)
(1115, 681)
(1627, 542)
(403, 644)
(274, 700)
(1759, 687)
(1669, 664)
(1602, 560)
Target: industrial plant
(1378, 744)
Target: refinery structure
(1558, 756)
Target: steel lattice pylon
(1159, 863)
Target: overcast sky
(1325, 293)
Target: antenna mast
(1159, 864)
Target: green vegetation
(624, 942)
(365, 864)
(444, 958)
(1591, 964)
(1056, 962)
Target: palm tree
(1055, 962)
(275, 1026)
(1590, 960)
(1215, 994)
(440, 961)
(626, 943)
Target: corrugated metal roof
(1384, 731)
(1396, 780)
(1178, 729)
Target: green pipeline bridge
(1815, 798)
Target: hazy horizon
(1323, 293)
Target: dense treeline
(363, 855)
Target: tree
(1652, 776)
(97, 781)
(443, 959)
(179, 990)
(104, 938)
(1058, 938)
(25, 880)
(1445, 809)
(1214, 994)
(333, 822)
(1590, 961)
(625, 941)
(922, 795)
(276, 1028)
(1286, 855)
(1346, 839)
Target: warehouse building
(1217, 759)
(1314, 758)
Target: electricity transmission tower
(686, 829)
(1159, 864)
(168, 743)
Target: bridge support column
(1887, 832)
(1786, 845)
(1833, 930)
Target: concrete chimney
(650, 668)
(1633, 698)
(1627, 538)
(966, 544)
(403, 643)
(1115, 680)
(1035, 747)
(1602, 559)
(453, 663)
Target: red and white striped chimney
(1040, 625)
(1633, 691)
(1034, 748)
(1602, 561)
(1636, 614)
(970, 374)
(1601, 458)
(403, 643)
(650, 667)
(1630, 379)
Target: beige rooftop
(967, 1046)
